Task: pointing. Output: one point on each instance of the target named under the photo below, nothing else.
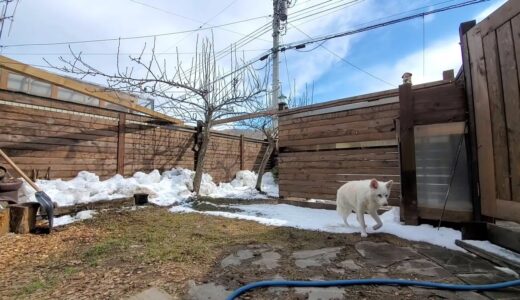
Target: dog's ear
(389, 184)
(374, 184)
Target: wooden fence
(40, 133)
(323, 146)
(491, 56)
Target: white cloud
(439, 56)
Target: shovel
(42, 198)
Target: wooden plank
(353, 106)
(69, 128)
(365, 151)
(342, 139)
(101, 204)
(508, 210)
(338, 102)
(40, 134)
(504, 236)
(502, 15)
(242, 152)
(121, 144)
(471, 138)
(382, 111)
(440, 129)
(368, 126)
(515, 25)
(343, 164)
(53, 114)
(108, 96)
(498, 119)
(441, 116)
(20, 139)
(52, 103)
(511, 90)
(58, 154)
(482, 121)
(407, 154)
(4, 75)
(348, 171)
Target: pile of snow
(168, 188)
(243, 187)
(330, 221)
(82, 215)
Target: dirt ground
(120, 253)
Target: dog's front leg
(377, 219)
(361, 219)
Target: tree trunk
(201, 155)
(263, 164)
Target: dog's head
(380, 191)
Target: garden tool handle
(20, 172)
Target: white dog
(363, 196)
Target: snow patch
(507, 271)
(170, 187)
(492, 248)
(330, 221)
(67, 219)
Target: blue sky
(386, 52)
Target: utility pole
(279, 16)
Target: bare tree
(211, 92)
(269, 127)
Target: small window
(72, 96)
(20, 83)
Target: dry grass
(120, 253)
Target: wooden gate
(491, 56)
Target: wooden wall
(491, 56)
(39, 133)
(322, 146)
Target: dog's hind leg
(345, 215)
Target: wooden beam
(4, 76)
(407, 153)
(471, 138)
(87, 89)
(358, 105)
(270, 112)
(482, 120)
(448, 75)
(121, 144)
(241, 152)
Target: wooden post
(448, 75)
(4, 77)
(23, 217)
(242, 165)
(121, 144)
(4, 221)
(471, 137)
(407, 153)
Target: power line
(115, 53)
(204, 23)
(379, 25)
(130, 37)
(346, 61)
(379, 19)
